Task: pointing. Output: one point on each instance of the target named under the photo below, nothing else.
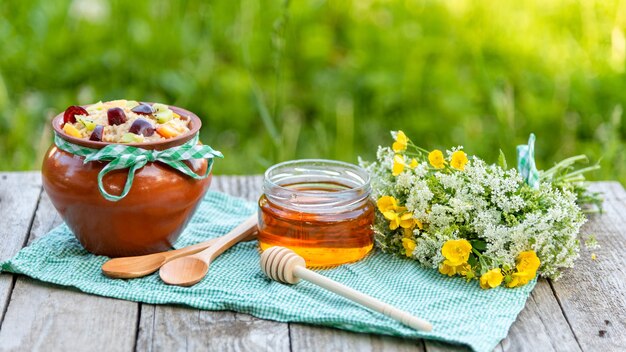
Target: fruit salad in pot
(124, 121)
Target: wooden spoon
(189, 270)
(139, 266)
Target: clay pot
(149, 219)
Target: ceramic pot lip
(194, 126)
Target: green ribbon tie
(526, 162)
(122, 156)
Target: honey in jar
(321, 209)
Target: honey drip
(322, 239)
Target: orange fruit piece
(71, 130)
(167, 131)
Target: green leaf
(472, 261)
(479, 245)
(502, 160)
(483, 265)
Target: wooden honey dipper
(284, 265)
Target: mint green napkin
(460, 312)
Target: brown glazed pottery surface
(149, 219)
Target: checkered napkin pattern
(460, 312)
(526, 162)
(121, 156)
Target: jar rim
(355, 171)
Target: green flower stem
(419, 149)
(577, 173)
(562, 165)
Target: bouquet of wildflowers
(465, 217)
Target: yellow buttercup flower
(408, 224)
(492, 278)
(392, 216)
(456, 252)
(413, 164)
(465, 270)
(397, 215)
(527, 261)
(458, 160)
(387, 203)
(527, 264)
(401, 142)
(409, 246)
(399, 219)
(436, 159)
(520, 279)
(394, 219)
(468, 273)
(446, 269)
(407, 221)
(398, 165)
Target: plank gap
(6, 304)
(543, 322)
(558, 301)
(289, 336)
(137, 326)
(153, 328)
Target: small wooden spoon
(139, 266)
(188, 271)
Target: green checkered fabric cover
(461, 312)
(120, 156)
(526, 162)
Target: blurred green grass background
(277, 80)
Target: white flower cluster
(490, 207)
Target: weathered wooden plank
(248, 187)
(169, 328)
(309, 337)
(593, 294)
(541, 325)
(52, 318)
(19, 195)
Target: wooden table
(584, 311)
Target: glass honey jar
(321, 209)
